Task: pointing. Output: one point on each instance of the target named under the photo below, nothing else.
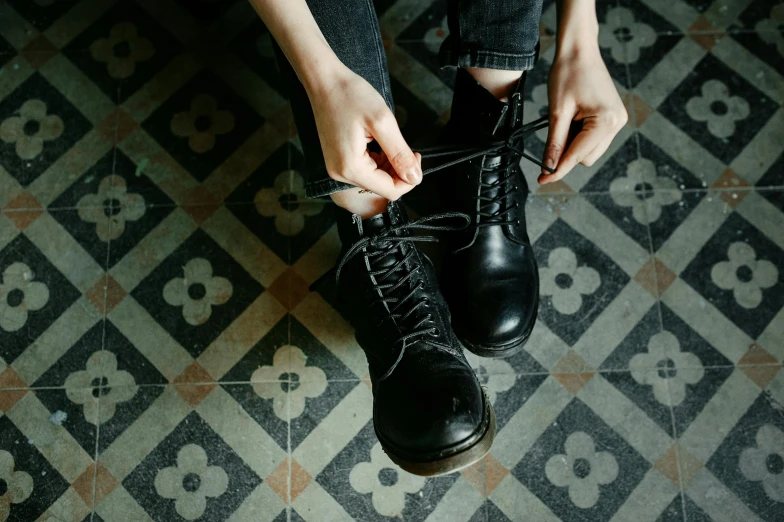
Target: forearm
(299, 36)
(578, 28)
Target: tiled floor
(161, 357)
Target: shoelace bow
(401, 307)
(513, 144)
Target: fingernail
(413, 176)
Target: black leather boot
(429, 411)
(490, 277)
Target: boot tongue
(476, 107)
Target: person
(430, 413)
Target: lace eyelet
(435, 332)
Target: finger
(368, 176)
(597, 153)
(387, 133)
(556, 139)
(583, 144)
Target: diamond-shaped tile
(573, 372)
(194, 384)
(23, 210)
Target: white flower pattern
(111, 207)
(100, 380)
(18, 485)
(566, 282)
(769, 29)
(744, 274)
(284, 202)
(495, 375)
(666, 369)
(198, 291)
(582, 469)
(20, 295)
(386, 482)
(202, 123)
(644, 191)
(288, 382)
(765, 462)
(624, 36)
(191, 482)
(122, 50)
(31, 129)
(716, 107)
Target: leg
(494, 40)
(351, 28)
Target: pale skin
(350, 113)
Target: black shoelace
(390, 281)
(491, 195)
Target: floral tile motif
(254, 46)
(576, 279)
(110, 203)
(42, 13)
(716, 107)
(371, 487)
(589, 469)
(281, 216)
(197, 292)
(509, 383)
(738, 271)
(667, 370)
(102, 374)
(766, 20)
(122, 50)
(648, 191)
(631, 35)
(37, 126)
(33, 294)
(192, 474)
(750, 461)
(294, 379)
(30, 482)
(202, 123)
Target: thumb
(387, 133)
(556, 140)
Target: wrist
(578, 29)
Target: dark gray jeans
(493, 34)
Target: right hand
(349, 114)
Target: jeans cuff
(324, 187)
(487, 59)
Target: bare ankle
(364, 204)
(500, 83)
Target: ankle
(499, 83)
(363, 204)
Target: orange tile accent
(667, 465)
(300, 479)
(706, 41)
(572, 372)
(638, 109)
(24, 210)
(495, 472)
(759, 366)
(655, 277)
(731, 180)
(289, 288)
(8, 398)
(200, 204)
(194, 393)
(105, 483)
(39, 51)
(106, 294)
(278, 480)
(475, 474)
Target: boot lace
(492, 196)
(397, 285)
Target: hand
(349, 114)
(580, 88)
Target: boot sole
(456, 461)
(505, 350)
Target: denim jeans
(493, 34)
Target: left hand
(580, 88)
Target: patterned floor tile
(767, 39)
(31, 485)
(738, 272)
(213, 118)
(197, 292)
(580, 462)
(42, 14)
(191, 474)
(38, 126)
(122, 50)
(254, 46)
